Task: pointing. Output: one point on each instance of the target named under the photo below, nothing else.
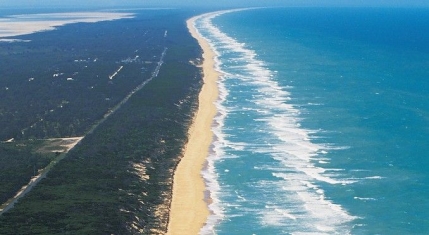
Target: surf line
(299, 182)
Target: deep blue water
(323, 122)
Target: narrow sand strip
(189, 210)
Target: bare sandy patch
(17, 25)
(55, 145)
(60, 145)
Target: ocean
(323, 121)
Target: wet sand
(189, 207)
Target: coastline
(189, 210)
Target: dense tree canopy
(118, 180)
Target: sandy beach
(189, 209)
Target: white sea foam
(374, 177)
(365, 198)
(293, 198)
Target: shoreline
(189, 206)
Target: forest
(118, 179)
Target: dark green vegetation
(19, 161)
(58, 84)
(118, 180)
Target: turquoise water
(323, 121)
